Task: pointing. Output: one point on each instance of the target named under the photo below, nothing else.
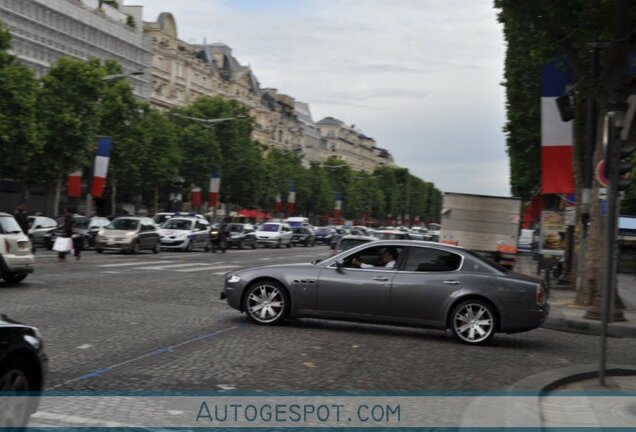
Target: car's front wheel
(266, 303)
(157, 248)
(473, 322)
(14, 277)
(14, 379)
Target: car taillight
(539, 297)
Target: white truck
(486, 224)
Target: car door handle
(452, 282)
(381, 278)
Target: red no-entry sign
(600, 173)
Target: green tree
(68, 115)
(19, 138)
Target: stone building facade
(348, 144)
(44, 30)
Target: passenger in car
(389, 258)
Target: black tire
(254, 245)
(189, 247)
(257, 294)
(14, 277)
(15, 377)
(241, 244)
(85, 243)
(157, 248)
(280, 242)
(99, 250)
(472, 317)
(135, 248)
(207, 246)
(289, 245)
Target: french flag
(556, 135)
(291, 198)
(74, 184)
(215, 186)
(278, 205)
(102, 158)
(337, 210)
(196, 197)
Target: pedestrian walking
(21, 218)
(220, 242)
(67, 232)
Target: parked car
(324, 235)
(83, 227)
(23, 368)
(303, 236)
(427, 284)
(16, 257)
(39, 226)
(391, 234)
(274, 234)
(128, 234)
(185, 233)
(240, 235)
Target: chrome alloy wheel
(473, 323)
(14, 411)
(265, 303)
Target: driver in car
(389, 256)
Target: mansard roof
(330, 121)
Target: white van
(274, 234)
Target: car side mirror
(340, 264)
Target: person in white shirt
(389, 257)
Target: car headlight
(130, 235)
(234, 279)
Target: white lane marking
(226, 386)
(170, 266)
(264, 259)
(129, 264)
(219, 273)
(205, 268)
(85, 346)
(111, 272)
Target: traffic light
(625, 164)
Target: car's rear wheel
(207, 246)
(14, 277)
(254, 245)
(14, 379)
(157, 248)
(279, 243)
(473, 322)
(241, 244)
(266, 303)
(190, 246)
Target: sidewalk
(565, 316)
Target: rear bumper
(524, 320)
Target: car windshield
(488, 261)
(434, 227)
(8, 225)
(124, 224)
(297, 230)
(159, 219)
(235, 228)
(347, 244)
(81, 224)
(269, 227)
(323, 231)
(178, 224)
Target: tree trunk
(155, 200)
(56, 197)
(113, 197)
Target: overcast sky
(422, 77)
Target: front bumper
(174, 244)
(11, 263)
(117, 245)
(269, 241)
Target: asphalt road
(155, 322)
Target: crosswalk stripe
(132, 263)
(205, 268)
(170, 266)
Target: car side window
(147, 227)
(423, 259)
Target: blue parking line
(95, 373)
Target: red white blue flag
(337, 211)
(291, 198)
(196, 197)
(556, 135)
(215, 187)
(104, 145)
(74, 184)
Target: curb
(593, 328)
(546, 382)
